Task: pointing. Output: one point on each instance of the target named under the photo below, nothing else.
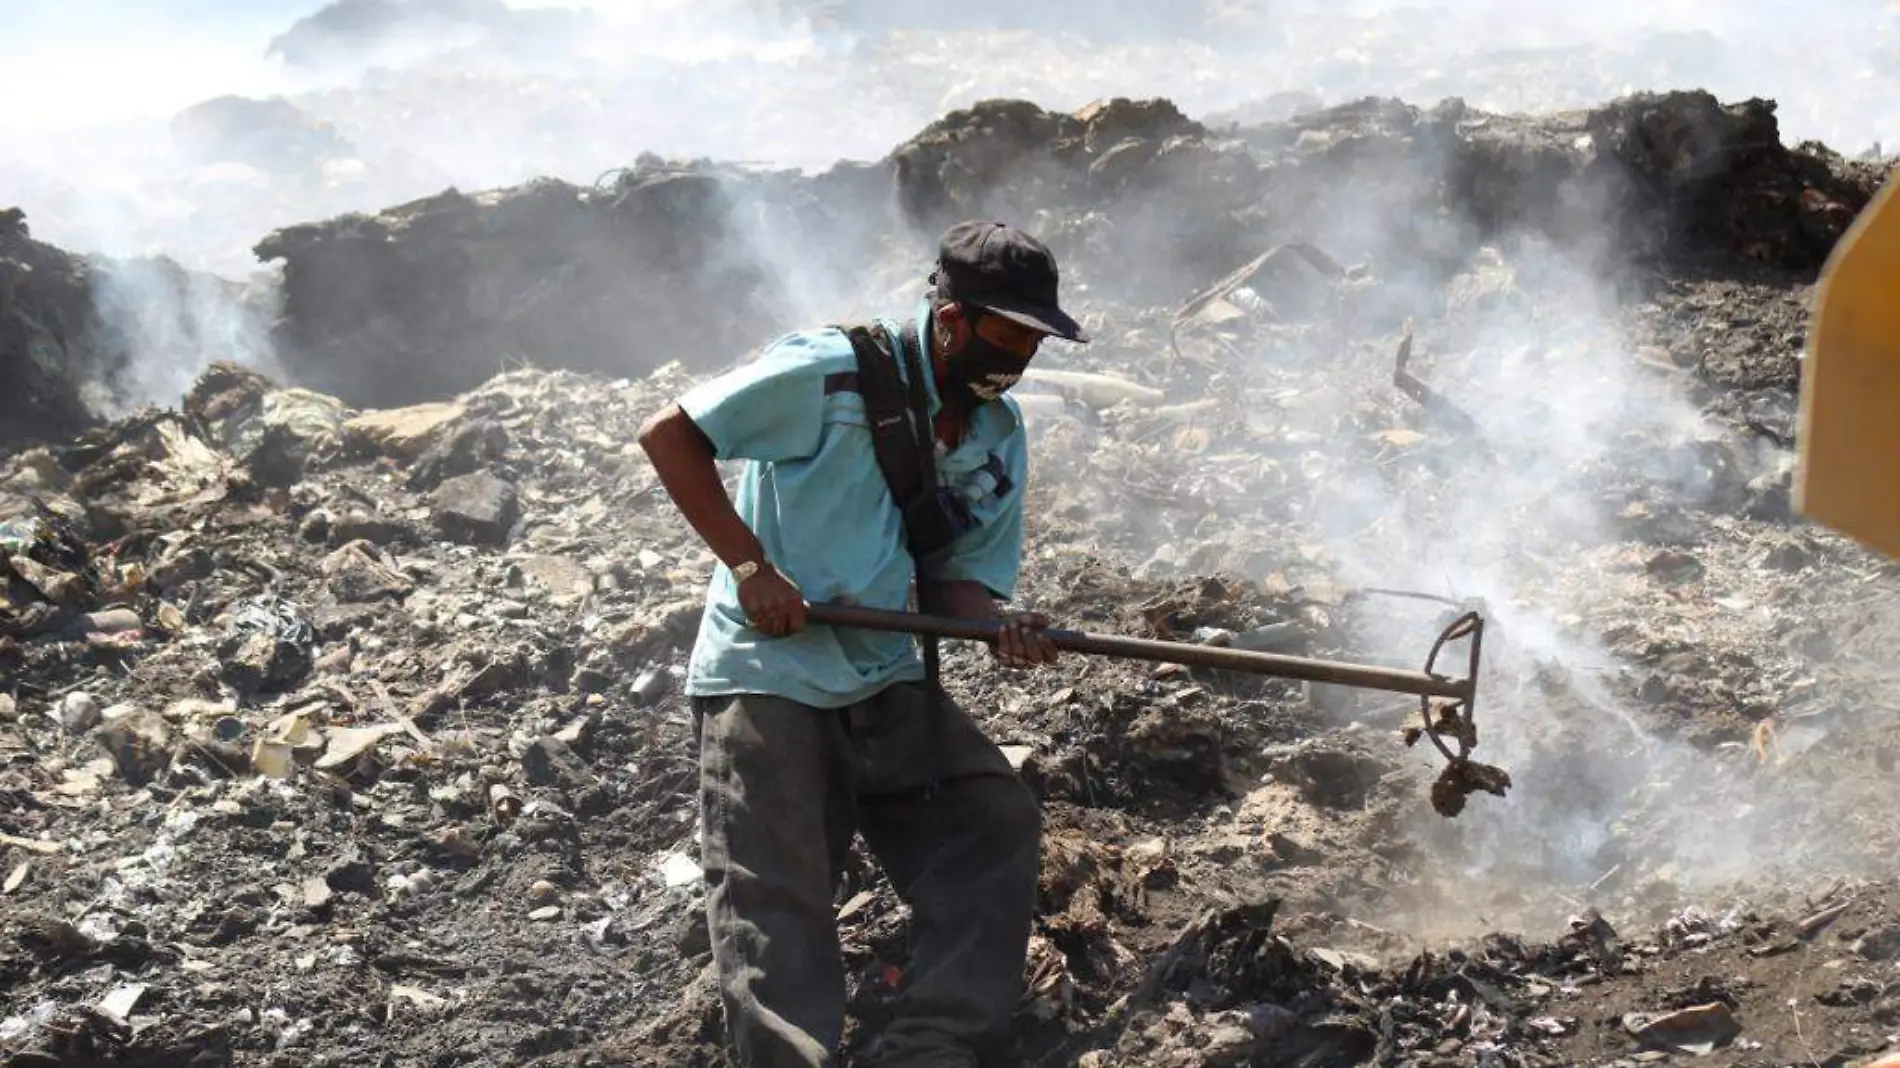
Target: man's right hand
(772, 603)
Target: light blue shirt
(811, 490)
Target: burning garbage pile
(336, 732)
(44, 294)
(82, 337)
(695, 261)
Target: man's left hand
(1022, 644)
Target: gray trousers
(783, 789)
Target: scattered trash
(303, 698)
(347, 745)
(120, 1003)
(78, 712)
(678, 869)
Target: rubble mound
(45, 354)
(434, 297)
(694, 262)
(1674, 175)
(82, 338)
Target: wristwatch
(745, 571)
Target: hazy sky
(66, 62)
(90, 84)
(79, 62)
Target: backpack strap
(905, 447)
(898, 411)
(900, 451)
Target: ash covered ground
(341, 719)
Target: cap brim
(1053, 321)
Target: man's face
(1006, 334)
(987, 360)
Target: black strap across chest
(898, 411)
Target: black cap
(1001, 269)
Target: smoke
(1525, 517)
(170, 324)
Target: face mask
(981, 372)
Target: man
(809, 734)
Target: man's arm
(683, 457)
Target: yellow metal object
(1847, 473)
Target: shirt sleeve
(992, 553)
(771, 409)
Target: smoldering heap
(340, 728)
(73, 328)
(675, 260)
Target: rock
(1227, 1044)
(357, 575)
(58, 587)
(469, 447)
(337, 622)
(1674, 567)
(337, 661)
(1789, 556)
(257, 663)
(476, 509)
(360, 525)
(182, 564)
(351, 873)
(52, 939)
(77, 712)
(693, 937)
(112, 621)
(402, 433)
(140, 744)
(549, 762)
(119, 1005)
(1269, 1023)
(315, 527)
(650, 685)
(1698, 1030)
(1880, 944)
